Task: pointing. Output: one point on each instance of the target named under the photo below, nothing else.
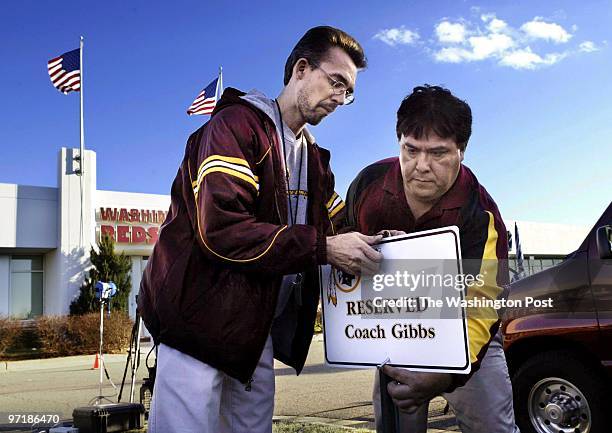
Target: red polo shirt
(376, 201)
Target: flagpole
(82, 151)
(219, 91)
(82, 148)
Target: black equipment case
(108, 418)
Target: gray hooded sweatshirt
(296, 163)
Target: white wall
(68, 264)
(29, 216)
(136, 276)
(547, 238)
(5, 281)
(132, 200)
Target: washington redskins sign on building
(129, 226)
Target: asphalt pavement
(320, 394)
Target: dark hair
(315, 43)
(434, 109)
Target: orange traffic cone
(96, 363)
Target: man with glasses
(428, 187)
(232, 281)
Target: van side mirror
(604, 242)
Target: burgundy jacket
(376, 201)
(211, 284)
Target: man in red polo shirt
(428, 187)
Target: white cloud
(494, 24)
(488, 37)
(521, 59)
(397, 36)
(448, 32)
(588, 47)
(453, 55)
(552, 58)
(489, 45)
(539, 29)
(471, 49)
(497, 26)
(526, 59)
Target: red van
(560, 357)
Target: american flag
(205, 102)
(65, 71)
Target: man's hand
(389, 233)
(414, 388)
(353, 253)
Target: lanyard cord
(292, 215)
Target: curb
(67, 361)
(331, 422)
(336, 422)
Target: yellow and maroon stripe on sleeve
(482, 321)
(334, 205)
(232, 166)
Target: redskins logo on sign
(344, 281)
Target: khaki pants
(190, 396)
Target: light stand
(104, 291)
(109, 417)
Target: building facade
(46, 234)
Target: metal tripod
(99, 398)
(133, 359)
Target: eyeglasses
(338, 87)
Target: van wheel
(555, 392)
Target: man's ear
(300, 67)
(461, 155)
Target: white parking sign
(410, 314)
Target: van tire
(558, 379)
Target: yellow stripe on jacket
(236, 167)
(334, 205)
(480, 319)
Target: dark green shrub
(106, 266)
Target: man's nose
(338, 99)
(422, 161)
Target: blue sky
(538, 76)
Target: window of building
(26, 293)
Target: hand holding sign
(389, 233)
(411, 389)
(353, 253)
